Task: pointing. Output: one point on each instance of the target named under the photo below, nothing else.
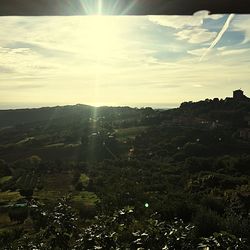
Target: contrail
(219, 35)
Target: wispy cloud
(196, 35)
(5, 69)
(241, 24)
(20, 86)
(197, 52)
(234, 52)
(131, 59)
(180, 22)
(188, 28)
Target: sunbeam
(130, 6)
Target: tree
(196, 164)
(4, 169)
(27, 193)
(18, 214)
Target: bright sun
(102, 43)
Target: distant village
(216, 106)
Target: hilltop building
(238, 95)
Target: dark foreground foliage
(121, 230)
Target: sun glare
(101, 41)
(102, 35)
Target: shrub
(214, 203)
(7, 236)
(87, 212)
(18, 214)
(26, 192)
(197, 164)
(207, 222)
(226, 163)
(223, 240)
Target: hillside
(151, 176)
(20, 116)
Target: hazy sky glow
(122, 60)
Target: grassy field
(9, 196)
(48, 196)
(5, 179)
(4, 219)
(55, 145)
(129, 133)
(58, 185)
(58, 182)
(84, 179)
(85, 198)
(54, 186)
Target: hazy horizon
(132, 105)
(138, 105)
(137, 61)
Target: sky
(137, 61)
